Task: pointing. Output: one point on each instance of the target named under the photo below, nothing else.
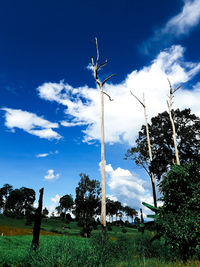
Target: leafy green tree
(187, 129)
(20, 201)
(117, 208)
(5, 191)
(179, 217)
(86, 202)
(110, 208)
(45, 212)
(1, 200)
(130, 212)
(66, 204)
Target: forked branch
(96, 67)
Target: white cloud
(31, 123)
(176, 27)
(124, 116)
(185, 20)
(56, 199)
(51, 175)
(54, 203)
(128, 188)
(42, 155)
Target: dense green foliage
(179, 218)
(87, 202)
(17, 202)
(187, 129)
(66, 204)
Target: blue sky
(49, 117)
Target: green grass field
(70, 249)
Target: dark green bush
(124, 230)
(179, 218)
(150, 249)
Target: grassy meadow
(65, 247)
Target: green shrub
(179, 218)
(149, 249)
(124, 230)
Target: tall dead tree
(37, 223)
(169, 104)
(96, 67)
(149, 147)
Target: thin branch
(102, 65)
(108, 96)
(92, 59)
(108, 79)
(177, 89)
(138, 99)
(97, 61)
(172, 91)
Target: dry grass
(13, 231)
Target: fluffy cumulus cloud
(30, 123)
(51, 175)
(53, 204)
(176, 27)
(124, 116)
(128, 188)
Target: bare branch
(97, 61)
(168, 104)
(177, 89)
(172, 91)
(92, 59)
(102, 65)
(108, 96)
(138, 99)
(108, 79)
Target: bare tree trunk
(38, 219)
(103, 185)
(172, 91)
(96, 66)
(150, 154)
(149, 149)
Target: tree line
(86, 207)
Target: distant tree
(28, 199)
(45, 212)
(5, 191)
(66, 204)
(117, 208)
(59, 210)
(110, 208)
(137, 221)
(163, 154)
(130, 212)
(86, 202)
(20, 201)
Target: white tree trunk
(103, 186)
(150, 153)
(172, 91)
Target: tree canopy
(188, 142)
(66, 203)
(87, 201)
(19, 201)
(179, 218)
